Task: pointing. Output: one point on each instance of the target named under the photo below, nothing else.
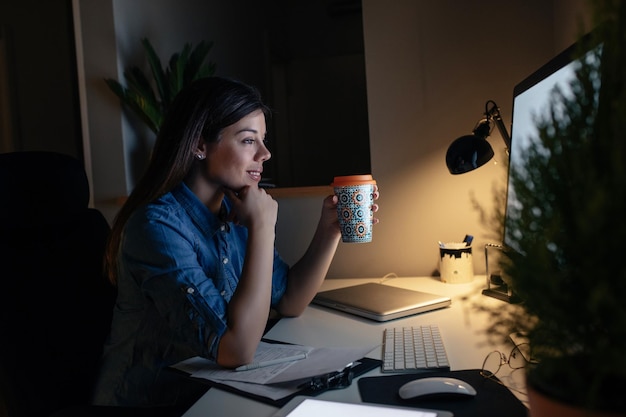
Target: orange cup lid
(353, 180)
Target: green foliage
(569, 265)
(183, 68)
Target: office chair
(56, 306)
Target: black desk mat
(492, 399)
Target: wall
(40, 109)
(430, 68)
(109, 34)
(317, 62)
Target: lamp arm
(494, 113)
(505, 135)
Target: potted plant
(568, 264)
(140, 97)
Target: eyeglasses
(517, 359)
(334, 380)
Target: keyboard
(414, 349)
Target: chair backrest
(56, 304)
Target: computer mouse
(436, 387)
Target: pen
(255, 365)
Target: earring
(200, 156)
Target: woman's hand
(252, 207)
(376, 194)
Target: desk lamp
(470, 152)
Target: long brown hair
(201, 110)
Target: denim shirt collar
(206, 221)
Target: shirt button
(190, 290)
(223, 293)
(222, 228)
(225, 261)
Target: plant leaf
(195, 68)
(183, 68)
(116, 88)
(138, 82)
(149, 113)
(177, 66)
(157, 71)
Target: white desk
(461, 325)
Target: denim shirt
(179, 266)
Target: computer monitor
(531, 99)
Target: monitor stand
(497, 288)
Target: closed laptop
(380, 302)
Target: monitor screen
(531, 100)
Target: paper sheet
(319, 361)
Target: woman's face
(236, 159)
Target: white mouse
(439, 387)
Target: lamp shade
(468, 153)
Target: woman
(192, 250)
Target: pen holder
(455, 265)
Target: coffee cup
(355, 194)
